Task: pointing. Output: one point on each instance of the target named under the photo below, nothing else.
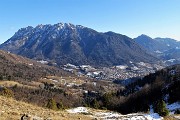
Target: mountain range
(64, 43)
(166, 49)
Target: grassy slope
(11, 109)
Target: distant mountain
(64, 43)
(149, 44)
(165, 48)
(157, 44)
(169, 43)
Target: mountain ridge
(166, 49)
(67, 43)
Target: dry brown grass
(171, 117)
(11, 109)
(9, 83)
(13, 83)
(62, 80)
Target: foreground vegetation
(14, 110)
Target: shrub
(6, 92)
(52, 104)
(95, 104)
(60, 105)
(160, 108)
(107, 99)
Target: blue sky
(156, 18)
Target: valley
(65, 70)
(79, 86)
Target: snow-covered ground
(110, 115)
(78, 110)
(174, 106)
(153, 116)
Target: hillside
(14, 110)
(30, 81)
(162, 85)
(14, 67)
(64, 43)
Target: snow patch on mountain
(157, 51)
(171, 60)
(43, 62)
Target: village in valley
(119, 72)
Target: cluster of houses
(79, 85)
(121, 72)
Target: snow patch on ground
(78, 110)
(153, 116)
(151, 109)
(174, 106)
(107, 115)
(110, 115)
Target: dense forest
(164, 85)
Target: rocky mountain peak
(68, 43)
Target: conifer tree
(52, 104)
(95, 104)
(60, 105)
(160, 108)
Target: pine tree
(160, 108)
(60, 105)
(95, 104)
(7, 92)
(106, 99)
(52, 104)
